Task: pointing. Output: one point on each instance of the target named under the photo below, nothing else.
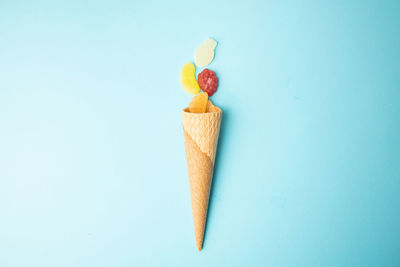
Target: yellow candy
(188, 79)
(199, 103)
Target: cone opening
(214, 110)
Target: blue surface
(92, 160)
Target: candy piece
(210, 107)
(199, 103)
(188, 79)
(208, 81)
(205, 53)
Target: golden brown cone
(201, 132)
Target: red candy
(208, 81)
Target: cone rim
(186, 111)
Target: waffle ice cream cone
(201, 131)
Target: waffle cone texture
(201, 131)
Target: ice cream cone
(201, 132)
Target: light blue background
(92, 161)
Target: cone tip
(199, 243)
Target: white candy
(205, 53)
